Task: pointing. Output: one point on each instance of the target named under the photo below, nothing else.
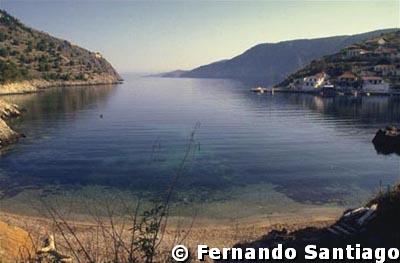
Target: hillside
(377, 58)
(270, 63)
(38, 60)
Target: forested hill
(29, 54)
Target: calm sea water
(132, 137)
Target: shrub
(10, 72)
(29, 47)
(3, 36)
(41, 45)
(66, 76)
(44, 66)
(3, 52)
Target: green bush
(29, 47)
(41, 45)
(3, 36)
(3, 52)
(10, 72)
(65, 76)
(44, 66)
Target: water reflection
(67, 101)
(367, 110)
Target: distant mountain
(270, 63)
(37, 58)
(172, 74)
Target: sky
(157, 36)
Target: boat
(259, 90)
(328, 90)
(387, 141)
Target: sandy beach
(18, 232)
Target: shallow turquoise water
(133, 137)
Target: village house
(394, 55)
(354, 52)
(347, 81)
(381, 41)
(98, 55)
(385, 69)
(293, 85)
(389, 53)
(311, 83)
(375, 84)
(367, 73)
(347, 77)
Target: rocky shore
(8, 135)
(14, 241)
(36, 85)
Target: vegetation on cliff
(28, 54)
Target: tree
(3, 36)
(44, 66)
(41, 45)
(29, 47)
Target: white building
(381, 41)
(375, 84)
(385, 69)
(98, 55)
(389, 53)
(311, 83)
(355, 52)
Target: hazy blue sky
(166, 35)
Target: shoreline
(37, 85)
(213, 232)
(320, 92)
